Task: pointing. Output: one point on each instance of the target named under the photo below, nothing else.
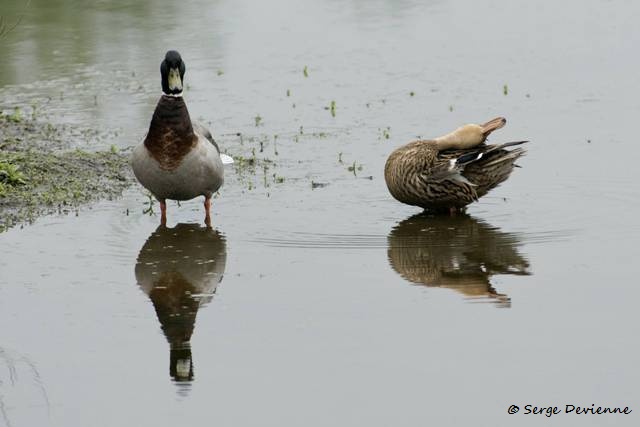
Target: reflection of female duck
(460, 253)
(180, 268)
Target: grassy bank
(41, 174)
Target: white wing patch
(226, 160)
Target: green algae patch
(39, 176)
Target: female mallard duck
(449, 172)
(178, 160)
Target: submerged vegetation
(354, 167)
(332, 108)
(40, 173)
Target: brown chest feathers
(170, 136)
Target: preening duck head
(468, 136)
(172, 70)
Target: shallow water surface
(316, 299)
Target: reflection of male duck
(180, 268)
(460, 253)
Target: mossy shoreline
(40, 172)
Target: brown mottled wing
(445, 165)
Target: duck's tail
(492, 166)
(226, 160)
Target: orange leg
(207, 211)
(163, 212)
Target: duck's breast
(200, 173)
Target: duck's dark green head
(172, 70)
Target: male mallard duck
(178, 160)
(449, 172)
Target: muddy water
(317, 299)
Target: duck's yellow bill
(175, 82)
